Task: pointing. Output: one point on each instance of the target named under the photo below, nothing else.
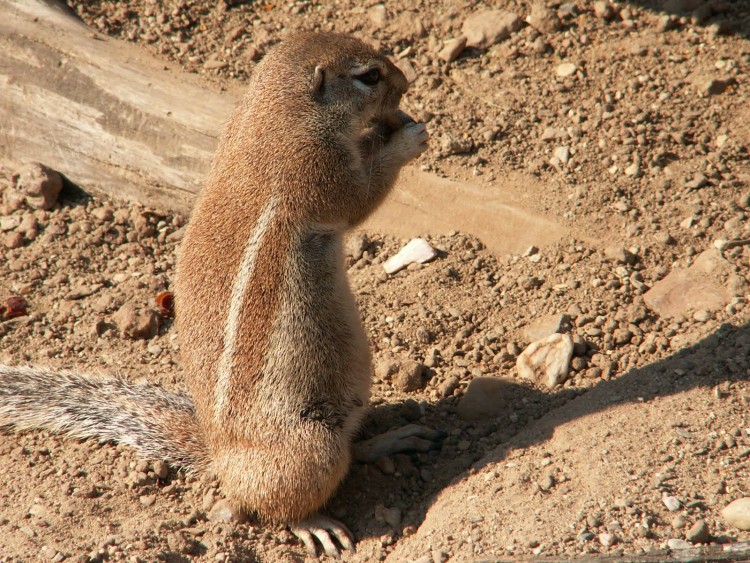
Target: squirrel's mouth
(394, 120)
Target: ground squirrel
(273, 349)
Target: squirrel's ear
(318, 82)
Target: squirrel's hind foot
(325, 529)
(409, 438)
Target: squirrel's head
(339, 78)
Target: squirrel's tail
(157, 423)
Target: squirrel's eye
(370, 78)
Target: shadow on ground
(719, 359)
(730, 17)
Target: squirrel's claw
(323, 528)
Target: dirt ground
(632, 172)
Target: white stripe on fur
(223, 383)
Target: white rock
(547, 360)
(9, 223)
(417, 250)
(566, 69)
(223, 511)
(378, 15)
(737, 513)
(607, 539)
(633, 170)
(563, 154)
(676, 543)
(672, 503)
(687, 223)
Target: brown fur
(300, 378)
(274, 352)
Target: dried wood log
(111, 119)
(101, 111)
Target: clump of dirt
(646, 160)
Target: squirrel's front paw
(410, 141)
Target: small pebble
(698, 532)
(452, 49)
(672, 503)
(679, 522)
(566, 69)
(677, 543)
(148, 500)
(607, 539)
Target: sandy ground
(628, 173)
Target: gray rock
(543, 19)
(485, 398)
(447, 387)
(488, 27)
(547, 360)
(622, 336)
(408, 377)
(620, 255)
(544, 327)
(356, 244)
(223, 511)
(714, 86)
(452, 49)
(136, 323)
(562, 154)
(663, 237)
(737, 513)
(634, 170)
(567, 10)
(13, 240)
(377, 15)
(552, 134)
(698, 532)
(677, 543)
(392, 516)
(672, 503)
(702, 316)
(604, 10)
(39, 185)
(699, 181)
(451, 144)
(607, 539)
(214, 63)
(701, 287)
(147, 500)
(9, 223)
(679, 522)
(405, 66)
(666, 23)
